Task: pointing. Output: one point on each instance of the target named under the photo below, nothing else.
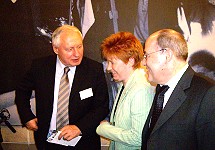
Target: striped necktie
(63, 100)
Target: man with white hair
(86, 97)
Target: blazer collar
(137, 74)
(131, 82)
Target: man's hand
(32, 124)
(69, 132)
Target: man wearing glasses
(186, 118)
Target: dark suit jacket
(85, 114)
(188, 120)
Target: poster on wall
(196, 21)
(27, 26)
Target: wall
(28, 24)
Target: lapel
(123, 95)
(131, 82)
(50, 77)
(115, 101)
(79, 80)
(176, 99)
(129, 85)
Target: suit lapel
(50, 74)
(131, 83)
(127, 88)
(115, 101)
(79, 80)
(123, 95)
(176, 99)
(122, 98)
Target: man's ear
(169, 54)
(55, 49)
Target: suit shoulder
(44, 60)
(200, 86)
(91, 61)
(201, 81)
(87, 62)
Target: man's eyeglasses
(146, 55)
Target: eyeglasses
(146, 55)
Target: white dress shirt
(58, 74)
(172, 84)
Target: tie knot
(161, 89)
(66, 70)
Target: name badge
(86, 93)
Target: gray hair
(57, 33)
(168, 38)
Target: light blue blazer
(131, 114)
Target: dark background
(20, 41)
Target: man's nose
(75, 52)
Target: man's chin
(75, 63)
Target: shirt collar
(174, 80)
